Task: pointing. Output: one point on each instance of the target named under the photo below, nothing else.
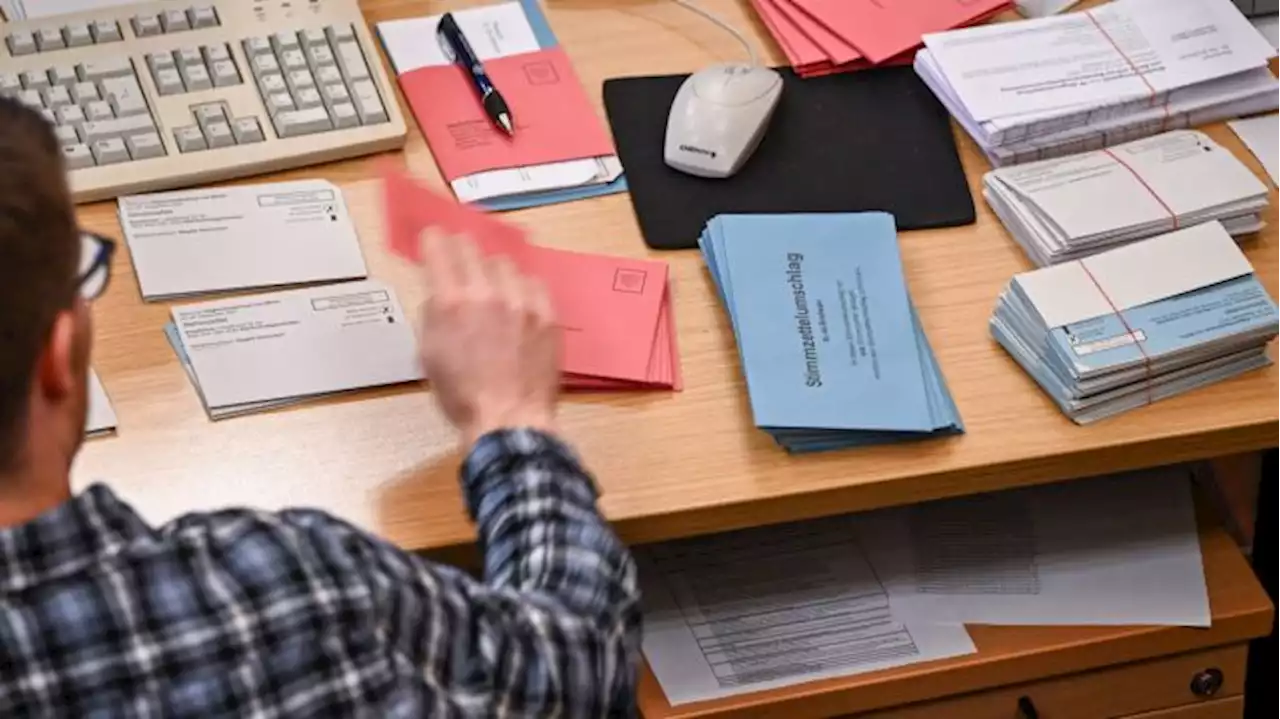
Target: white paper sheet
(101, 416)
(1113, 550)
(774, 606)
(1262, 136)
(494, 31)
(231, 238)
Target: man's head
(44, 326)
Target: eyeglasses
(95, 265)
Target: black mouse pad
(870, 140)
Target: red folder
(615, 311)
(880, 30)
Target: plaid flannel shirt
(256, 614)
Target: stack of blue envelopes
(832, 349)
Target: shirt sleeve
(554, 627)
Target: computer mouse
(718, 118)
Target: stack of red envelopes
(615, 312)
(821, 37)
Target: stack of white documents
(250, 354)
(1054, 86)
(1073, 207)
(1139, 323)
(101, 416)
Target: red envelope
(880, 29)
(615, 311)
(554, 119)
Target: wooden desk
(670, 464)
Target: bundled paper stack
(1038, 89)
(821, 37)
(832, 349)
(1072, 207)
(1124, 328)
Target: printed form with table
(1086, 130)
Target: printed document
(1113, 550)
(231, 238)
(101, 417)
(1262, 136)
(1121, 51)
(771, 607)
(299, 343)
(494, 31)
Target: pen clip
(446, 47)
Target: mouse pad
(870, 140)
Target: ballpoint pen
(456, 45)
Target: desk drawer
(1160, 685)
(1230, 708)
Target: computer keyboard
(158, 95)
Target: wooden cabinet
(1064, 672)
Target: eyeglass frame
(106, 249)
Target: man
(253, 614)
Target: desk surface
(669, 464)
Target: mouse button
(736, 88)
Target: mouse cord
(687, 5)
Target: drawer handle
(1207, 683)
(1027, 709)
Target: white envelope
(298, 343)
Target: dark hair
(39, 255)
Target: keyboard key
(247, 130)
(161, 61)
(196, 77)
(174, 21)
(216, 53)
(105, 68)
(64, 75)
(49, 38)
(84, 92)
(10, 83)
(271, 83)
(56, 97)
(98, 110)
(300, 80)
(277, 102)
(146, 25)
(224, 73)
(202, 17)
(368, 104)
(351, 61)
(106, 129)
(320, 56)
(110, 152)
(77, 157)
(189, 139)
(77, 35)
(293, 60)
(218, 134)
(256, 46)
(282, 42)
(210, 113)
(66, 135)
(35, 80)
(33, 100)
(188, 56)
(307, 98)
(334, 94)
(48, 116)
(125, 96)
(329, 76)
(145, 146)
(263, 64)
(339, 33)
(70, 115)
(105, 31)
(21, 43)
(313, 37)
(344, 115)
(293, 123)
(169, 82)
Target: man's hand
(490, 345)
